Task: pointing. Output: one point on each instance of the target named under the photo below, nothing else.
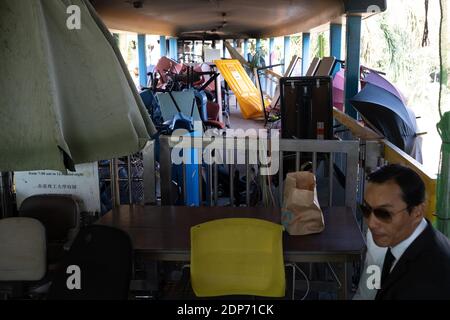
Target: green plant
(319, 51)
(255, 62)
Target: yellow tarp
(248, 96)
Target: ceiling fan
(203, 34)
(215, 32)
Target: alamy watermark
(73, 22)
(255, 147)
(73, 281)
(373, 281)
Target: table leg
(343, 291)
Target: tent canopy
(386, 113)
(67, 97)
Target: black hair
(411, 184)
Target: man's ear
(418, 211)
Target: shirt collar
(400, 248)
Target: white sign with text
(83, 183)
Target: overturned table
(163, 233)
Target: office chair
(237, 256)
(60, 215)
(104, 258)
(22, 255)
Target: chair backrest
(184, 99)
(104, 258)
(313, 67)
(166, 64)
(22, 249)
(326, 67)
(237, 256)
(60, 215)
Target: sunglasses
(380, 213)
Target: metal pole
(165, 171)
(247, 172)
(271, 49)
(115, 192)
(258, 44)
(306, 39)
(246, 49)
(352, 62)
(287, 51)
(173, 49)
(162, 46)
(142, 60)
(149, 177)
(130, 181)
(224, 49)
(3, 197)
(336, 44)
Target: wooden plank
(356, 128)
(273, 73)
(235, 54)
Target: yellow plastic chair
(237, 256)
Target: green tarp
(65, 95)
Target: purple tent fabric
(338, 90)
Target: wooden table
(163, 233)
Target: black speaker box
(307, 107)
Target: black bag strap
(174, 102)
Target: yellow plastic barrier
(248, 96)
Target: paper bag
(301, 213)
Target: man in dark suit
(417, 261)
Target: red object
(212, 110)
(164, 66)
(204, 67)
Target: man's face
(388, 196)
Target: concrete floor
(237, 121)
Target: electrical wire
(334, 275)
(307, 281)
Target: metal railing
(267, 81)
(238, 155)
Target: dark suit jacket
(423, 271)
